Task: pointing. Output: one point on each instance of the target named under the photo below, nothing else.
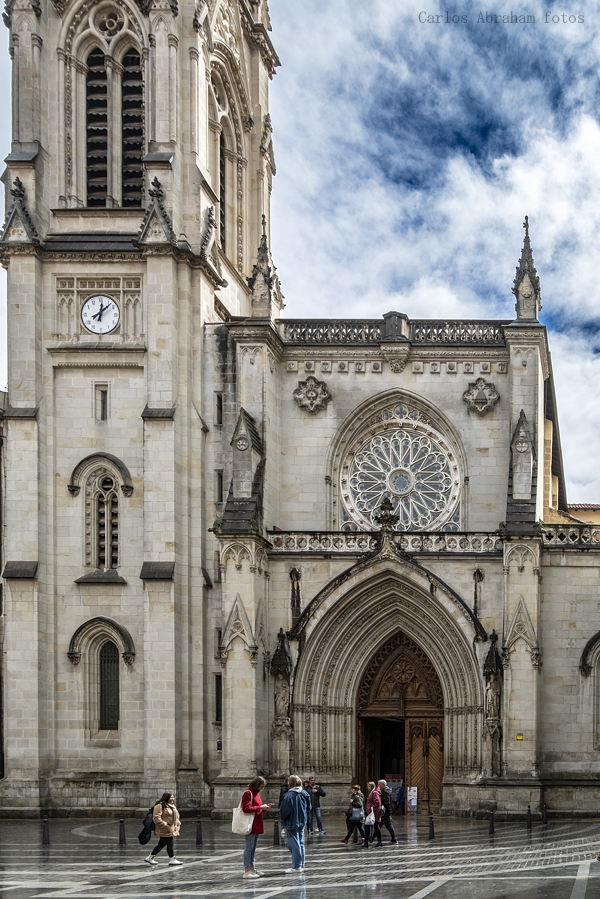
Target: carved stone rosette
(312, 395)
(481, 396)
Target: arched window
(114, 161)
(97, 129)
(222, 192)
(109, 686)
(99, 650)
(132, 113)
(106, 501)
(103, 477)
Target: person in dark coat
(316, 793)
(294, 812)
(386, 807)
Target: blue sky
(408, 155)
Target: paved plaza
(84, 861)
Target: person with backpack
(294, 812)
(357, 814)
(167, 825)
(386, 807)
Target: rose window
(413, 469)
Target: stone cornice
(258, 331)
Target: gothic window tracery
(405, 457)
(103, 57)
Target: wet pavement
(84, 861)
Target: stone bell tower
(137, 184)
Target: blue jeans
(317, 813)
(295, 843)
(250, 849)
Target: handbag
(241, 822)
(370, 819)
(357, 814)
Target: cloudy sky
(408, 154)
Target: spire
(526, 287)
(264, 282)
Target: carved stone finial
(18, 191)
(387, 518)
(264, 282)
(526, 287)
(156, 190)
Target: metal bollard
(122, 840)
(491, 827)
(198, 832)
(431, 832)
(544, 813)
(528, 817)
(276, 827)
(45, 833)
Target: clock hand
(98, 314)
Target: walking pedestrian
(282, 791)
(316, 793)
(357, 813)
(386, 806)
(294, 812)
(167, 825)
(373, 804)
(252, 804)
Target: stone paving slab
(84, 861)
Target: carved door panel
(435, 767)
(425, 762)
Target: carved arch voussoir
(86, 466)
(590, 655)
(94, 632)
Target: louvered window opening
(108, 525)
(222, 190)
(132, 113)
(109, 686)
(97, 130)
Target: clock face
(100, 314)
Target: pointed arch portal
(400, 709)
(360, 638)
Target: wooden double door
(400, 721)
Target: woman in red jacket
(253, 804)
(373, 804)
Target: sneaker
(294, 870)
(151, 860)
(310, 833)
(393, 841)
(250, 875)
(343, 841)
(360, 842)
(322, 832)
(175, 861)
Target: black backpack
(145, 834)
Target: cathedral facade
(239, 543)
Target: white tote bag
(370, 819)
(242, 823)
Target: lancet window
(103, 143)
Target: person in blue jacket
(294, 812)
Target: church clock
(100, 314)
